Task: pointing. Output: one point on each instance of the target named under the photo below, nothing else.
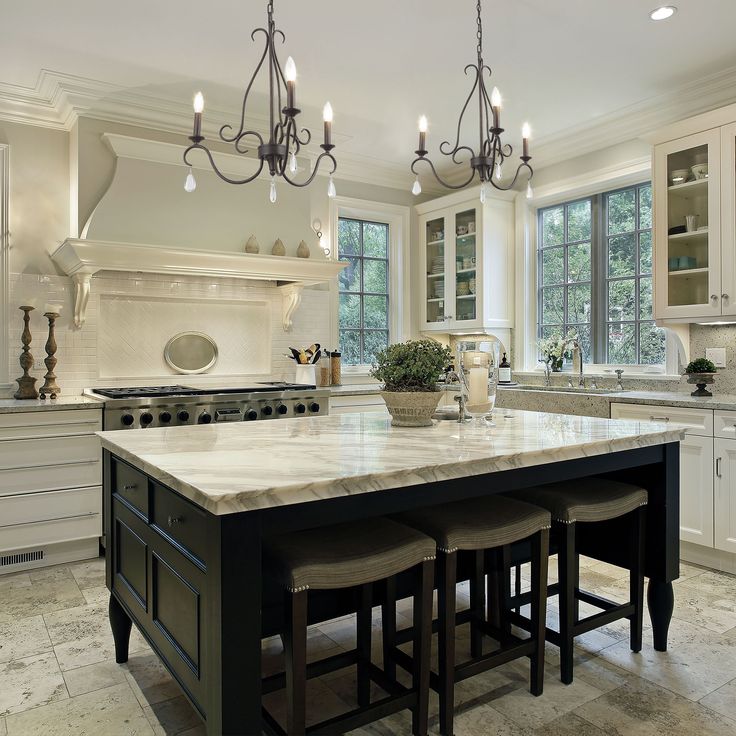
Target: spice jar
(324, 372)
(336, 368)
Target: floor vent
(21, 558)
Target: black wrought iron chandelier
(488, 161)
(285, 139)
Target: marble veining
(228, 468)
(12, 406)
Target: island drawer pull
(174, 520)
(130, 486)
(658, 419)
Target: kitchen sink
(566, 390)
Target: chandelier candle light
(487, 161)
(285, 139)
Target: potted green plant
(409, 372)
(700, 372)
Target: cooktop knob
(314, 407)
(282, 409)
(183, 415)
(267, 411)
(164, 417)
(251, 414)
(204, 418)
(127, 419)
(300, 408)
(146, 418)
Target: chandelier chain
(479, 34)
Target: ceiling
(561, 64)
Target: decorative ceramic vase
(701, 380)
(303, 250)
(252, 245)
(411, 408)
(278, 248)
(50, 386)
(26, 383)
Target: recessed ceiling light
(663, 12)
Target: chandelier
(285, 138)
(488, 161)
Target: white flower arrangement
(555, 348)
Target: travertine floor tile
(23, 638)
(643, 709)
(716, 583)
(723, 700)
(93, 677)
(172, 716)
(569, 725)
(3, 729)
(113, 711)
(41, 595)
(697, 662)
(30, 682)
(704, 606)
(148, 678)
(97, 594)
(89, 574)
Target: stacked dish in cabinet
(50, 487)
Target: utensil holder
(306, 374)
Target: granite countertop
(10, 406)
(227, 468)
(355, 389)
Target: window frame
(398, 218)
(4, 268)
(600, 278)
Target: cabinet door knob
(174, 520)
(714, 297)
(130, 486)
(724, 296)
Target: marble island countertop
(12, 406)
(227, 468)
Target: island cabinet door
(696, 490)
(725, 495)
(162, 584)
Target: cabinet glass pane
(435, 240)
(687, 226)
(465, 262)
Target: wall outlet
(717, 356)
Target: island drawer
(180, 522)
(131, 485)
(725, 424)
(38, 424)
(695, 421)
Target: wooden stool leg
(636, 579)
(388, 626)
(495, 582)
(446, 653)
(576, 588)
(517, 585)
(477, 576)
(422, 646)
(567, 600)
(295, 650)
(363, 625)
(504, 595)
(540, 562)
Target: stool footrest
(275, 682)
(365, 715)
(524, 648)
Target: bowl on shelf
(679, 176)
(700, 171)
(463, 288)
(685, 262)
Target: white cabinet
(466, 263)
(694, 174)
(50, 487)
(696, 464)
(725, 495)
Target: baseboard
(708, 557)
(44, 555)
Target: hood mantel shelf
(81, 259)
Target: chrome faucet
(577, 355)
(547, 373)
(619, 381)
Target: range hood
(146, 223)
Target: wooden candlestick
(26, 383)
(50, 386)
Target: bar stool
(589, 501)
(477, 526)
(350, 555)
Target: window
(363, 289)
(595, 276)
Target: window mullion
(599, 274)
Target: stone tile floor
(58, 676)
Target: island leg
(120, 624)
(661, 602)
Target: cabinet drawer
(25, 508)
(48, 451)
(695, 421)
(724, 424)
(20, 536)
(131, 485)
(50, 477)
(36, 424)
(180, 521)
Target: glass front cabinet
(694, 181)
(467, 264)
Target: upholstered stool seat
(589, 501)
(350, 555)
(479, 529)
(346, 555)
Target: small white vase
(306, 374)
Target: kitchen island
(186, 509)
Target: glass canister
(336, 367)
(478, 361)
